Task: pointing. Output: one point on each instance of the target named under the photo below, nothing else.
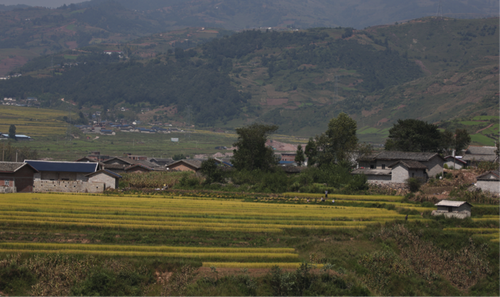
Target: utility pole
(439, 13)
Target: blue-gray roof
(60, 166)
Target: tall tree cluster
(413, 135)
(251, 152)
(336, 144)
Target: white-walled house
(489, 182)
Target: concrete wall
(457, 165)
(399, 174)
(107, 180)
(41, 186)
(434, 166)
(490, 186)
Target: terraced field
(32, 121)
(180, 213)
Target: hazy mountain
(241, 14)
(432, 69)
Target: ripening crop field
(32, 121)
(77, 213)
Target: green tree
(337, 143)
(311, 152)
(251, 152)
(12, 132)
(211, 171)
(414, 136)
(462, 139)
(300, 157)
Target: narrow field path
(480, 130)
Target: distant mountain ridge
(240, 14)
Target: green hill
(434, 69)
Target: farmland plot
(176, 213)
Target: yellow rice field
(49, 211)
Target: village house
(73, 177)
(185, 165)
(489, 182)
(453, 209)
(109, 178)
(394, 168)
(138, 168)
(16, 177)
(432, 161)
(476, 154)
(454, 162)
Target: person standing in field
(333, 200)
(326, 195)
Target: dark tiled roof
(138, 165)
(456, 159)
(12, 167)
(125, 160)
(481, 150)
(59, 166)
(409, 164)
(483, 176)
(397, 155)
(194, 163)
(473, 157)
(105, 171)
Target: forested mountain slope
(432, 69)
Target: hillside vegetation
(431, 69)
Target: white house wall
(109, 181)
(458, 165)
(490, 186)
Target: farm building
(58, 176)
(432, 161)
(453, 209)
(476, 154)
(405, 169)
(138, 168)
(454, 162)
(109, 178)
(16, 177)
(185, 165)
(123, 165)
(489, 181)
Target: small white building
(454, 162)
(453, 209)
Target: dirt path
(480, 130)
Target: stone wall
(4, 190)
(42, 186)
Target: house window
(372, 166)
(7, 183)
(412, 174)
(383, 166)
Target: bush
(414, 184)
(107, 283)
